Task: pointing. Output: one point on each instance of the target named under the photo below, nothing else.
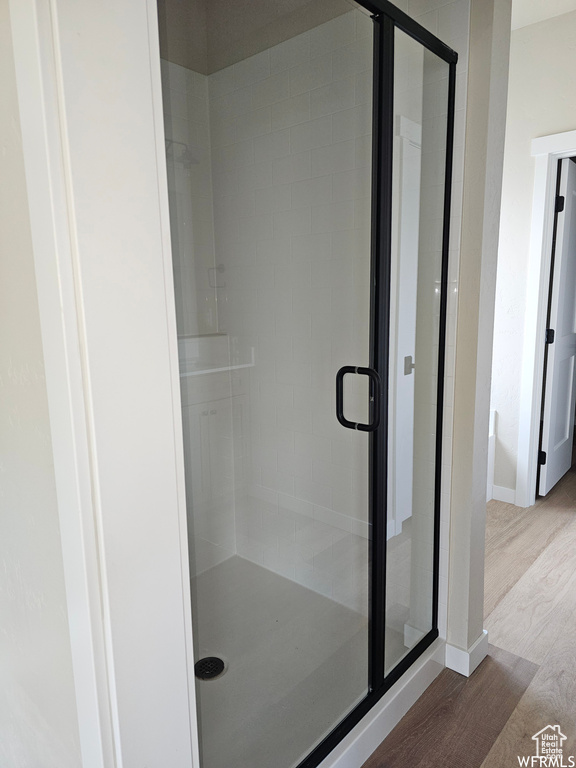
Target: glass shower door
(308, 156)
(269, 154)
(418, 260)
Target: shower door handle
(375, 391)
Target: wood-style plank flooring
(443, 722)
(529, 679)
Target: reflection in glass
(419, 163)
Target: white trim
(554, 144)
(358, 745)
(158, 116)
(547, 150)
(501, 493)
(465, 662)
(39, 57)
(410, 130)
(222, 369)
(55, 258)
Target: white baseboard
(358, 745)
(497, 492)
(465, 662)
(501, 493)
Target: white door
(560, 389)
(404, 280)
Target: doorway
(559, 380)
(547, 151)
(309, 164)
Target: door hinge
(542, 457)
(559, 203)
(550, 336)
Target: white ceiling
(526, 12)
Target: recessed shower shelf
(210, 354)
(184, 374)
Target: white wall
(485, 120)
(38, 720)
(540, 102)
(525, 12)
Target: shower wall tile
(307, 192)
(209, 414)
(186, 119)
(315, 133)
(333, 35)
(352, 123)
(251, 70)
(310, 74)
(364, 26)
(210, 408)
(255, 176)
(333, 97)
(333, 158)
(290, 111)
(252, 124)
(453, 22)
(206, 555)
(294, 167)
(272, 146)
(287, 131)
(352, 59)
(271, 90)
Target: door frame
(547, 151)
(387, 17)
(112, 651)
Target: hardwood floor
(444, 720)
(529, 679)
(535, 610)
(515, 538)
(536, 616)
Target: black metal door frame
(386, 19)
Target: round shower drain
(209, 668)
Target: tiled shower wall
(206, 396)
(291, 154)
(187, 132)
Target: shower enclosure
(308, 153)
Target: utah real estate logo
(549, 750)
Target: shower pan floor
(296, 663)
